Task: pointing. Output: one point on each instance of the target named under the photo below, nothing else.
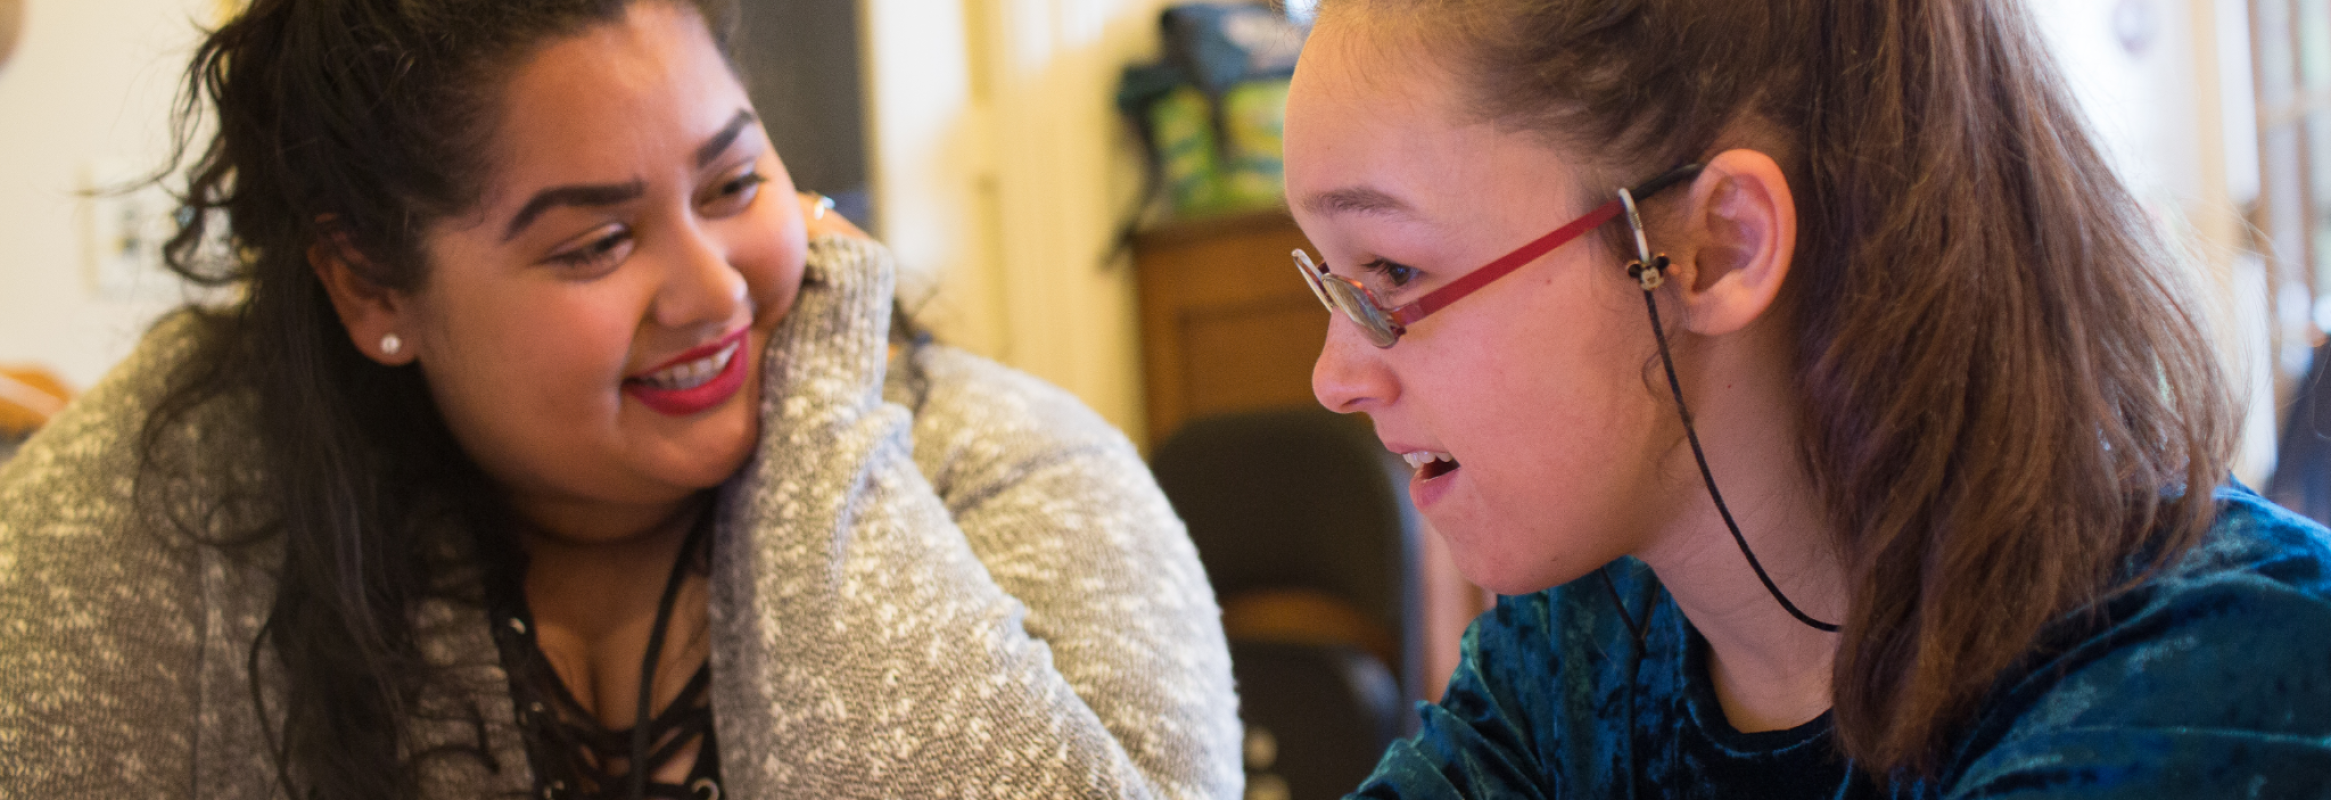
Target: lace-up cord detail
(577, 758)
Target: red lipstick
(687, 395)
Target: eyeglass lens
(1362, 309)
(1340, 294)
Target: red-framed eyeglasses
(1385, 325)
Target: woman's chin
(715, 465)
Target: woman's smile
(694, 381)
(593, 336)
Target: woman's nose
(701, 287)
(1350, 374)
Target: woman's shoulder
(975, 417)
(83, 463)
(944, 383)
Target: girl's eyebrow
(1355, 200)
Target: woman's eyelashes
(602, 249)
(735, 194)
(598, 252)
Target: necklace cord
(647, 668)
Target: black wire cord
(1650, 271)
(1651, 303)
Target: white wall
(91, 81)
(1000, 166)
(2175, 112)
(1000, 172)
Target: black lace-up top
(575, 757)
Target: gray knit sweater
(985, 596)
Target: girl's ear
(1738, 236)
(378, 319)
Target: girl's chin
(1504, 568)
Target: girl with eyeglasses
(1834, 421)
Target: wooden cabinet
(1226, 324)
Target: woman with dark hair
(548, 447)
(1871, 445)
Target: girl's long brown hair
(2012, 407)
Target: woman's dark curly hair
(356, 124)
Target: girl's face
(1534, 385)
(592, 335)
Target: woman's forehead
(607, 103)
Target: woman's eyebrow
(607, 194)
(587, 195)
(719, 142)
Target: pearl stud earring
(391, 345)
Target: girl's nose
(1350, 375)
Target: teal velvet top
(2212, 679)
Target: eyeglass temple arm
(1669, 178)
(1410, 313)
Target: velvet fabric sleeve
(2209, 678)
(1473, 743)
(1539, 702)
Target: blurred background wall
(981, 139)
(986, 150)
(84, 100)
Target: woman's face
(592, 333)
(1534, 384)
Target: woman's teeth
(694, 373)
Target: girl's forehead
(1355, 60)
(1349, 106)
(1368, 110)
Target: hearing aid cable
(1650, 271)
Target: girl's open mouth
(1430, 465)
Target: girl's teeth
(694, 373)
(1419, 459)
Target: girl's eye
(736, 193)
(598, 252)
(1394, 274)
